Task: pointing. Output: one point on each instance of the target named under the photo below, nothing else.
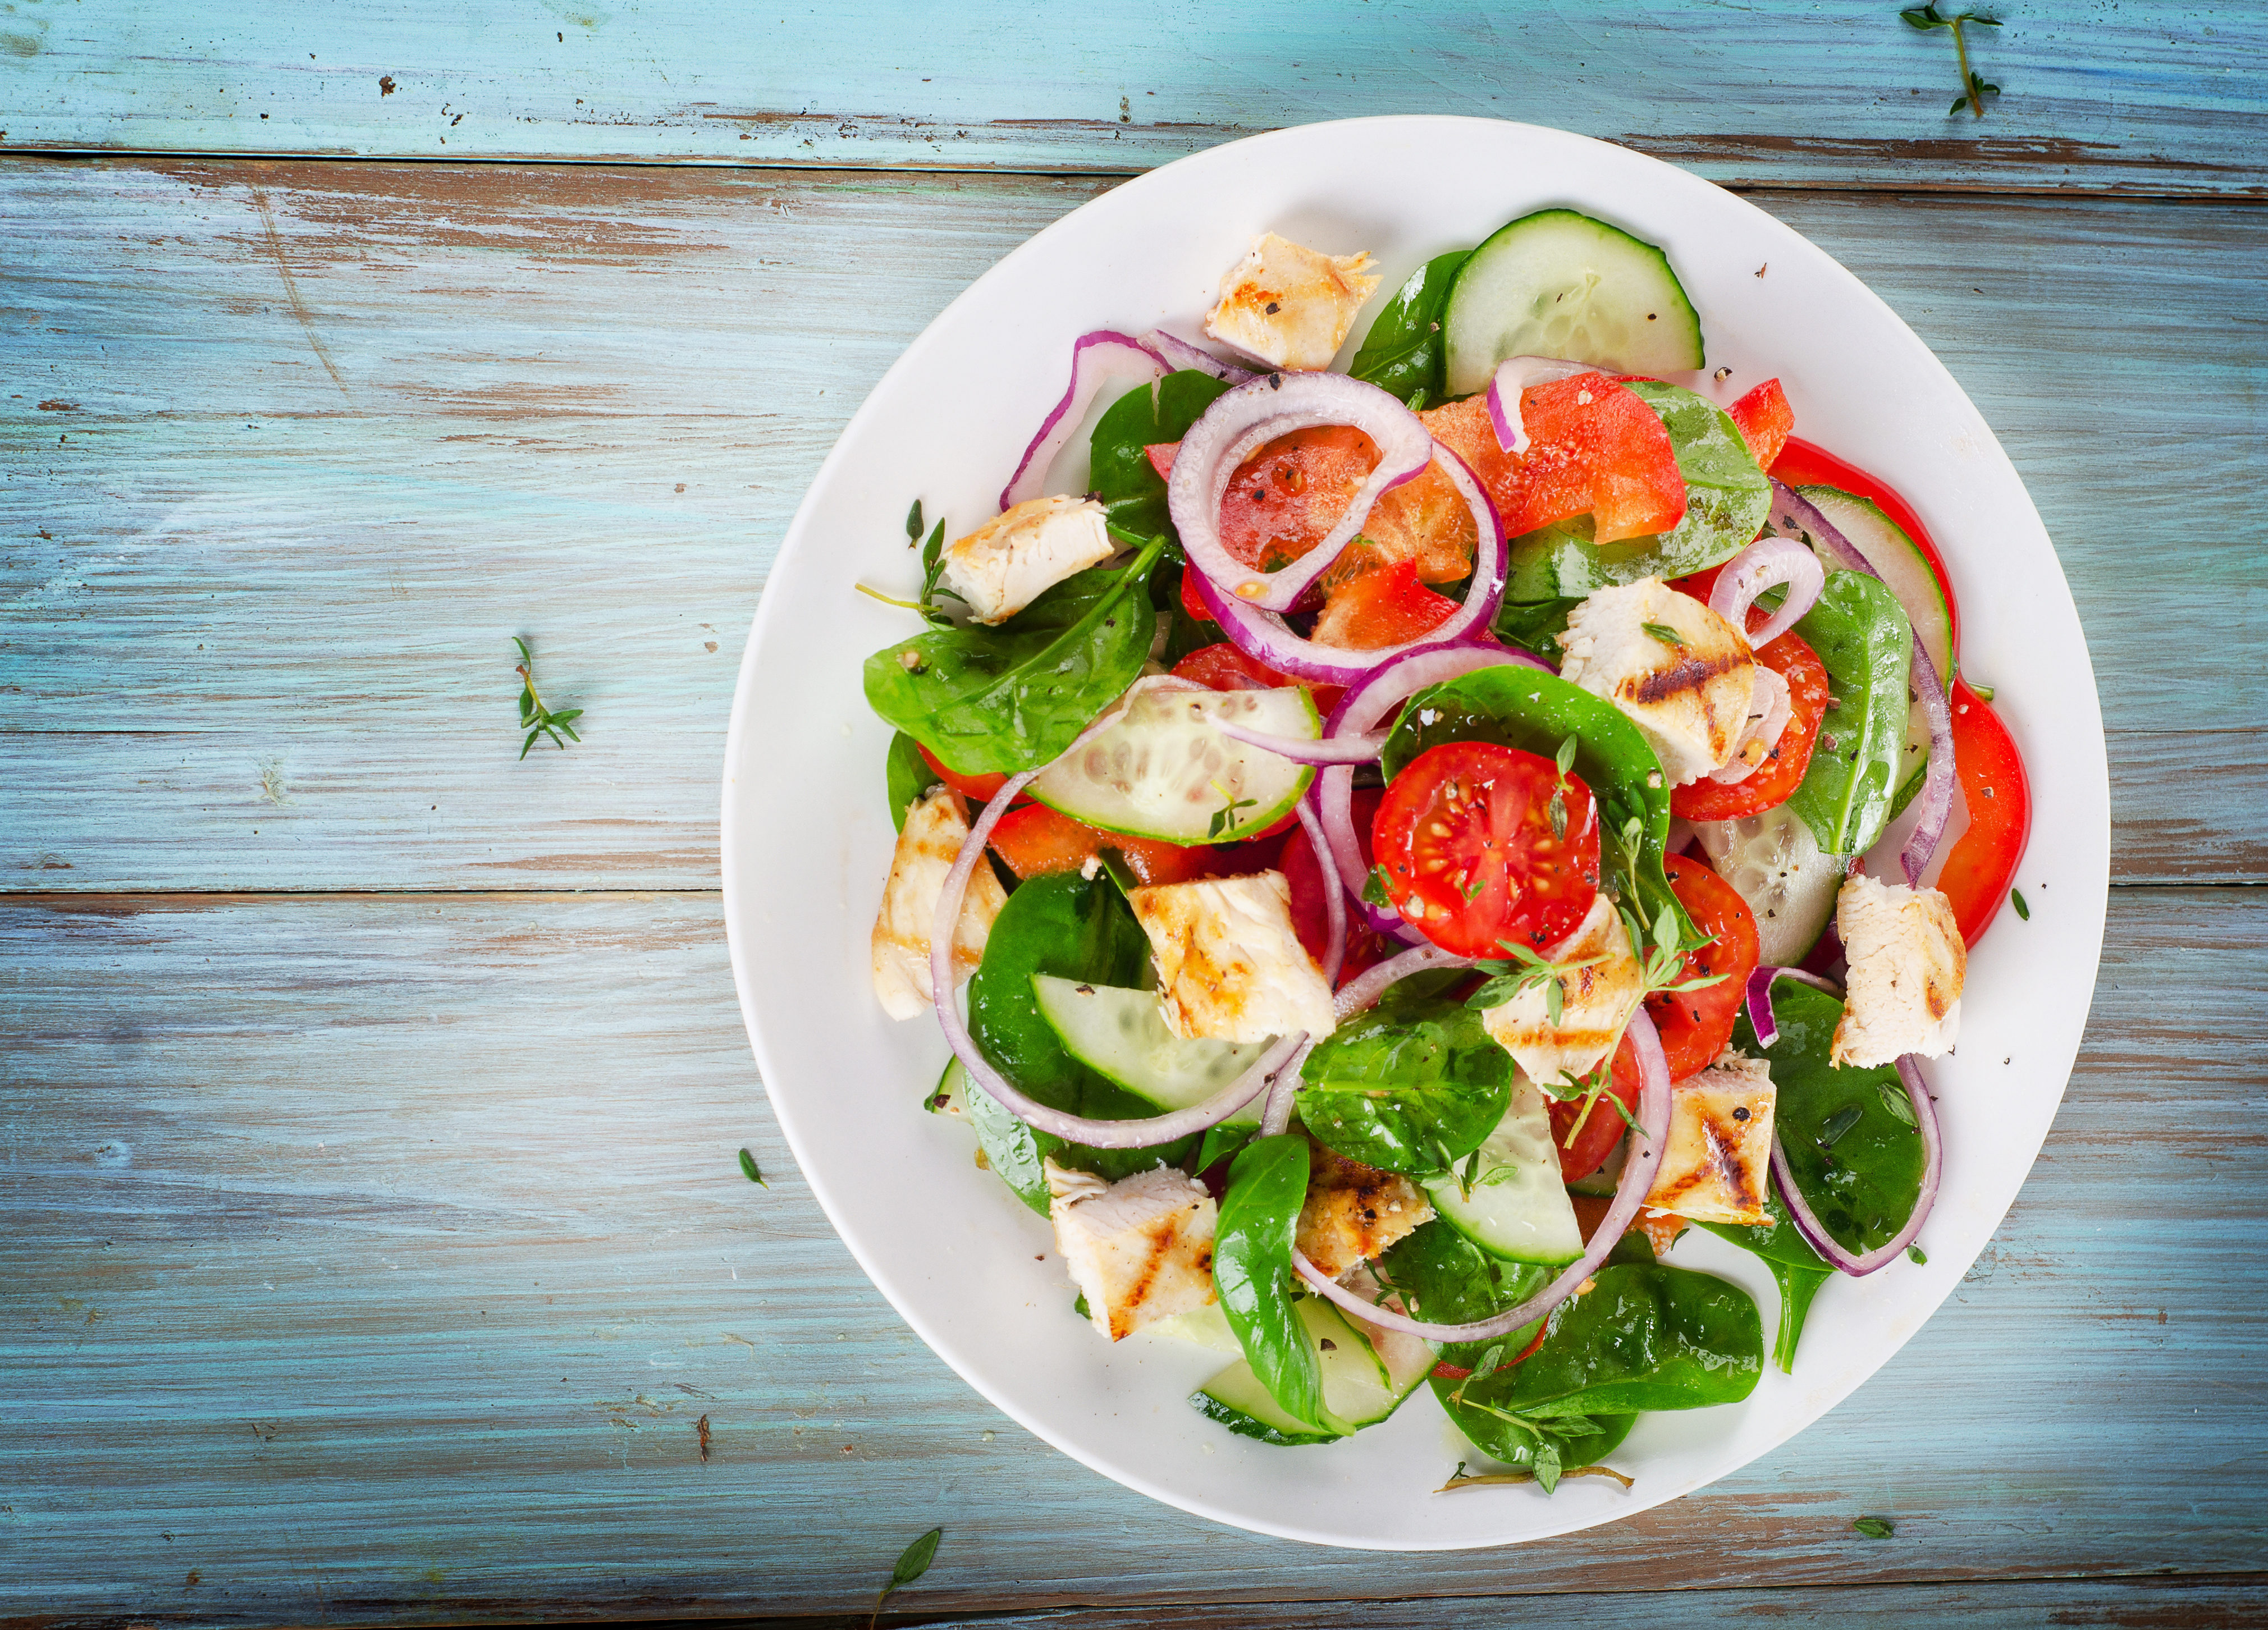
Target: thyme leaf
(534, 718)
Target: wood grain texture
(2150, 95)
(292, 449)
(373, 1259)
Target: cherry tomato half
(1474, 855)
(1774, 782)
(1035, 839)
(1222, 667)
(1696, 1024)
(1309, 875)
(1584, 1150)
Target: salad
(1408, 844)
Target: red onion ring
(1266, 638)
(1246, 419)
(1177, 353)
(1780, 707)
(1763, 564)
(1364, 707)
(1276, 1113)
(1366, 988)
(1335, 925)
(1331, 749)
(1096, 359)
(1629, 1196)
(1263, 1073)
(1935, 802)
(1514, 375)
(1757, 997)
(1933, 1164)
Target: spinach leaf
(1536, 712)
(908, 777)
(1133, 492)
(1446, 1279)
(1864, 640)
(1857, 1162)
(1218, 1144)
(1536, 625)
(1797, 1269)
(1074, 928)
(1544, 1444)
(1251, 1271)
(1011, 698)
(1409, 1087)
(1401, 352)
(1727, 498)
(1013, 1149)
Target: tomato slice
(1595, 448)
(1223, 667)
(1465, 835)
(982, 788)
(1309, 876)
(1385, 605)
(1774, 782)
(1765, 420)
(1696, 1024)
(1035, 839)
(1584, 1150)
(1982, 864)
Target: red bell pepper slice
(1766, 422)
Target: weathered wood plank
(372, 1259)
(2156, 96)
(298, 447)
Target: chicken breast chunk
(1015, 557)
(1288, 305)
(1229, 963)
(1354, 1212)
(1907, 964)
(1139, 1249)
(1716, 1164)
(1679, 671)
(934, 831)
(1597, 1006)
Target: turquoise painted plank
(259, 566)
(374, 1259)
(2152, 95)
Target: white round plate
(807, 838)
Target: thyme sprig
(534, 718)
(1523, 971)
(1973, 90)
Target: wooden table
(374, 1250)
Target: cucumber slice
(1207, 1327)
(948, 1097)
(1557, 284)
(1519, 1208)
(1775, 863)
(1356, 1392)
(1121, 1034)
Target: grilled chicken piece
(1689, 697)
(934, 831)
(1716, 1165)
(1229, 963)
(1599, 1002)
(1354, 1213)
(1907, 965)
(1288, 305)
(1015, 557)
(1139, 1249)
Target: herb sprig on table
(1973, 90)
(534, 718)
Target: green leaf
(1132, 491)
(1219, 1144)
(1402, 354)
(1959, 102)
(1864, 640)
(1916, 1255)
(749, 1170)
(1411, 1086)
(1874, 1527)
(2016, 898)
(1537, 625)
(1012, 698)
(912, 1563)
(906, 776)
(1898, 1102)
(914, 523)
(1797, 1269)
(1665, 634)
(1251, 1271)
(1373, 889)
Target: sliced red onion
(1276, 1113)
(1265, 637)
(1331, 749)
(1096, 359)
(1793, 515)
(1335, 924)
(1177, 353)
(1514, 375)
(1246, 419)
(1366, 988)
(1932, 1147)
(1263, 1073)
(1764, 728)
(1366, 706)
(1764, 564)
(1758, 997)
(1629, 1194)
